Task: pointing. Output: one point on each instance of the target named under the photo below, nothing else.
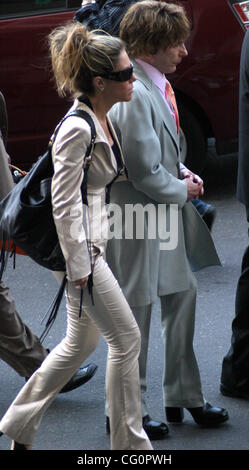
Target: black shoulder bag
(26, 216)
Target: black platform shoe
(206, 415)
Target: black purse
(26, 216)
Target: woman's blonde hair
(78, 55)
(149, 26)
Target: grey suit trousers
(181, 378)
(19, 347)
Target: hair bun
(74, 63)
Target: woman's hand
(81, 283)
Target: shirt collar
(157, 77)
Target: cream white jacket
(80, 240)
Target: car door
(25, 79)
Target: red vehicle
(206, 83)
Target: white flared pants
(110, 316)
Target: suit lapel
(160, 103)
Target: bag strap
(88, 156)
(53, 309)
(84, 115)
(87, 159)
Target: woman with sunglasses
(96, 71)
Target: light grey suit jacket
(150, 146)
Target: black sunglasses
(121, 76)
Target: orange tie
(170, 97)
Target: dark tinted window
(14, 8)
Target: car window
(15, 8)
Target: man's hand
(194, 184)
(193, 189)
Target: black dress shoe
(80, 377)
(154, 429)
(206, 415)
(235, 393)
